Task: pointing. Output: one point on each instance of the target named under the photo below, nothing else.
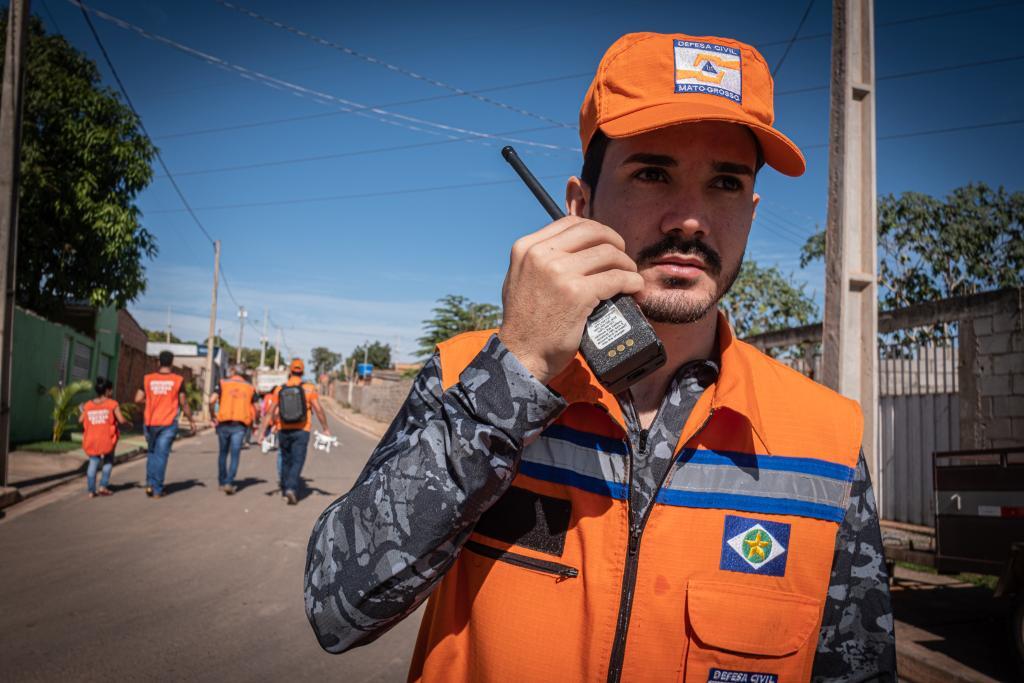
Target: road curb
(918, 664)
(13, 495)
(332, 406)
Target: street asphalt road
(197, 585)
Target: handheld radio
(618, 343)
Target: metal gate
(918, 414)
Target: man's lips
(679, 265)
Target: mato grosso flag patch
(754, 546)
(708, 69)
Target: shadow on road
(970, 625)
(179, 486)
(117, 488)
(305, 490)
(242, 484)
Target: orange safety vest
(162, 390)
(99, 436)
(234, 400)
(731, 568)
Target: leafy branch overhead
(454, 315)
(84, 161)
(932, 249)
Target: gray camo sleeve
(377, 552)
(857, 643)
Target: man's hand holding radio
(556, 277)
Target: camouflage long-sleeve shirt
(377, 552)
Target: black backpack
(291, 401)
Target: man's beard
(668, 306)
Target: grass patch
(982, 580)
(50, 446)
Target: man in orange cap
(715, 522)
(293, 404)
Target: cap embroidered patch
(709, 69)
(754, 546)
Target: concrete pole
(241, 332)
(277, 351)
(10, 166)
(263, 339)
(850, 341)
(208, 389)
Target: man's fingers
(523, 244)
(594, 260)
(607, 284)
(580, 236)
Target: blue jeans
(158, 445)
(94, 464)
(229, 437)
(292, 444)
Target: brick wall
(992, 377)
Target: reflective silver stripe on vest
(760, 482)
(581, 460)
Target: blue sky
(348, 227)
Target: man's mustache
(673, 243)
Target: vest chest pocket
(748, 634)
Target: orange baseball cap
(647, 81)
(297, 366)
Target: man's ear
(577, 198)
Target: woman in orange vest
(99, 418)
(234, 401)
(714, 522)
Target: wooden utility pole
(10, 162)
(850, 341)
(208, 389)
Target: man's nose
(685, 216)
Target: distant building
(191, 356)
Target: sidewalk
(31, 473)
(365, 424)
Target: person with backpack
(99, 418)
(163, 392)
(291, 412)
(234, 399)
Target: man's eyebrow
(650, 159)
(730, 167)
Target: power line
(339, 155)
(936, 131)
(375, 113)
(138, 118)
(918, 72)
(360, 195)
(792, 40)
(325, 114)
(369, 59)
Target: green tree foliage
(376, 353)
(324, 360)
(64, 407)
(84, 160)
(161, 336)
(764, 299)
(454, 315)
(932, 249)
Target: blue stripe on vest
(781, 463)
(745, 503)
(604, 444)
(558, 475)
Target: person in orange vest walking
(163, 392)
(234, 399)
(293, 405)
(100, 418)
(713, 522)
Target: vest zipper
(633, 557)
(562, 571)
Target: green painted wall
(43, 357)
